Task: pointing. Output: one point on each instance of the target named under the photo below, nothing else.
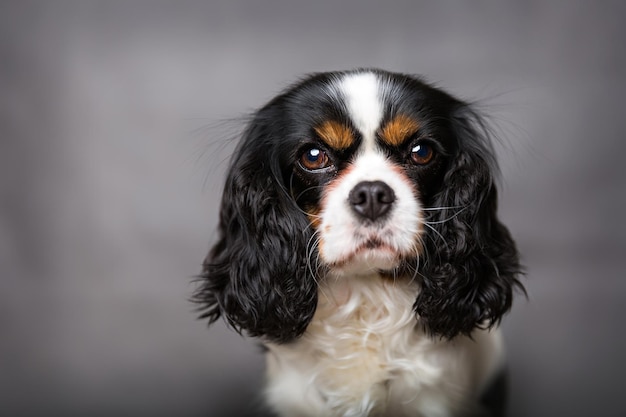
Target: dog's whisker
(447, 219)
(442, 208)
(312, 245)
(306, 190)
(437, 233)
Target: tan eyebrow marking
(399, 129)
(336, 135)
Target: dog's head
(352, 173)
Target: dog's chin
(366, 260)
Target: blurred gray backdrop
(112, 151)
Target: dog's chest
(362, 353)
(362, 332)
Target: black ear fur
(256, 275)
(472, 264)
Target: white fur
(341, 233)
(362, 96)
(365, 355)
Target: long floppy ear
(472, 264)
(256, 275)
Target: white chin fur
(367, 261)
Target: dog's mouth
(373, 244)
(371, 254)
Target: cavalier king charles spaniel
(358, 240)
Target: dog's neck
(366, 300)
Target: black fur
(256, 275)
(259, 275)
(472, 262)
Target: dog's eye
(314, 159)
(422, 153)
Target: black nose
(371, 199)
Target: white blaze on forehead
(362, 96)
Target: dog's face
(354, 173)
(363, 164)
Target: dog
(359, 242)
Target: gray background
(108, 197)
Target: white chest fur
(364, 354)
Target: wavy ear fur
(256, 275)
(472, 263)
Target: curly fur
(260, 284)
(474, 263)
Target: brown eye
(314, 159)
(422, 153)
